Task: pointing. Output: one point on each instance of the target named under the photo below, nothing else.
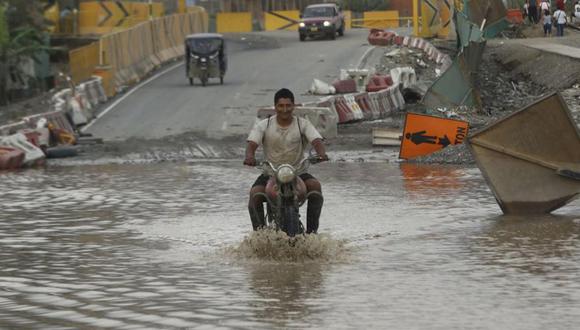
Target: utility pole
(150, 10)
(416, 18)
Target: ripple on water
(274, 245)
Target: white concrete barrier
(324, 119)
(405, 76)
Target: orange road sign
(425, 134)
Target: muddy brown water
(168, 246)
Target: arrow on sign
(125, 12)
(444, 141)
(109, 14)
(288, 19)
(113, 12)
(445, 24)
(420, 138)
(435, 12)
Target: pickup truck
(325, 19)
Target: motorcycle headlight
(302, 24)
(326, 23)
(203, 59)
(285, 174)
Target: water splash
(274, 245)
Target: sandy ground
(511, 76)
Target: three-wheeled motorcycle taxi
(205, 57)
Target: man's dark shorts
(263, 179)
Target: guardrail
(124, 57)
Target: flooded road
(169, 246)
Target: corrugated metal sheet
(531, 158)
(453, 88)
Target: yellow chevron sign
(115, 13)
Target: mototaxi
(205, 57)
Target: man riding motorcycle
(284, 138)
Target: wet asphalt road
(258, 65)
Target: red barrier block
(377, 83)
(345, 86)
(389, 36)
(398, 40)
(374, 35)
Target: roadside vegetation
(23, 37)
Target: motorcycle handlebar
(266, 165)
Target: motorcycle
(285, 193)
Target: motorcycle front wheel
(291, 221)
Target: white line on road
(104, 112)
(364, 57)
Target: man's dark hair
(283, 93)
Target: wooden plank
(387, 137)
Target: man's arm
(251, 153)
(320, 150)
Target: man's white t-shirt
(545, 6)
(284, 145)
(560, 16)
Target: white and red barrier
(56, 118)
(33, 155)
(10, 158)
(379, 37)
(364, 103)
(375, 105)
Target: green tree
(22, 37)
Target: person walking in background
(547, 23)
(576, 17)
(544, 5)
(560, 20)
(533, 11)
